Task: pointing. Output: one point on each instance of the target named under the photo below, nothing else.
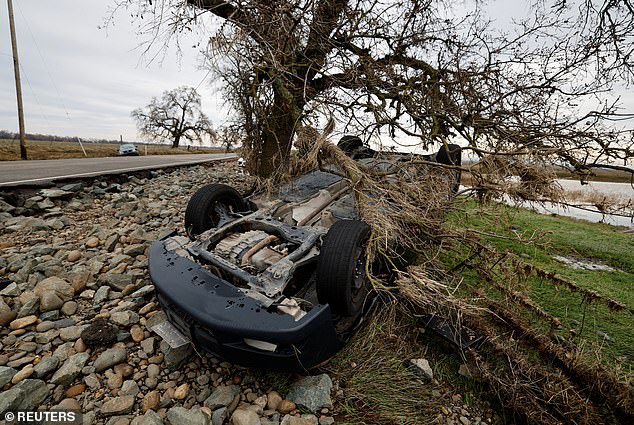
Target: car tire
(451, 154)
(208, 205)
(341, 280)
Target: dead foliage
(378, 387)
(539, 377)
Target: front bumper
(217, 317)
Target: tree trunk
(278, 131)
(177, 140)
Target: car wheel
(211, 206)
(341, 278)
(350, 144)
(451, 155)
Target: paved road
(17, 173)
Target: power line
(46, 67)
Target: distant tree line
(8, 135)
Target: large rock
(181, 416)
(223, 396)
(53, 293)
(124, 318)
(6, 374)
(26, 395)
(150, 418)
(119, 281)
(70, 369)
(312, 392)
(245, 417)
(109, 358)
(45, 367)
(118, 406)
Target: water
(623, 191)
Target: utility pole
(18, 86)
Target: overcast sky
(79, 80)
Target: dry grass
(378, 387)
(10, 150)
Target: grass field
(10, 150)
(590, 323)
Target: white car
(128, 149)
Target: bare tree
(174, 116)
(419, 69)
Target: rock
(119, 281)
(75, 390)
(223, 396)
(151, 401)
(70, 369)
(181, 391)
(118, 406)
(26, 395)
(69, 308)
(273, 400)
(124, 318)
(71, 333)
(124, 369)
(218, 417)
(73, 256)
(464, 371)
(26, 372)
(129, 388)
(110, 358)
(6, 374)
(147, 289)
(55, 193)
(23, 322)
(72, 187)
(148, 345)
(115, 381)
(99, 333)
(50, 301)
(245, 417)
(422, 369)
(7, 317)
(286, 406)
(53, 292)
(46, 366)
(299, 420)
(313, 392)
(101, 295)
(11, 290)
(134, 250)
(30, 307)
(153, 371)
(150, 418)
(68, 404)
(92, 242)
(181, 416)
(137, 333)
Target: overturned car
(277, 280)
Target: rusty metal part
(319, 208)
(258, 246)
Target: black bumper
(217, 317)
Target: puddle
(581, 263)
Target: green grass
(568, 237)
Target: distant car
(128, 149)
(275, 281)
